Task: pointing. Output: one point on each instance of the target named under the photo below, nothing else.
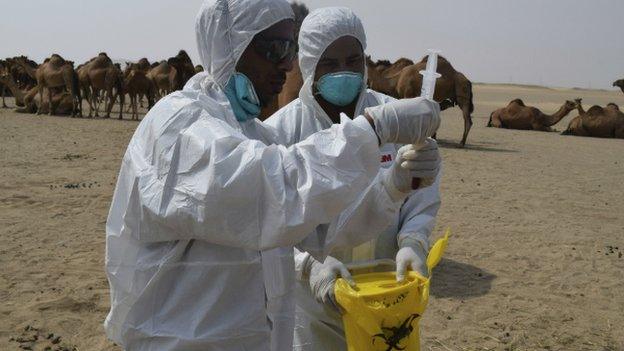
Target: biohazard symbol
(394, 335)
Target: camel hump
(442, 61)
(613, 106)
(182, 55)
(518, 102)
(595, 111)
(404, 61)
(57, 59)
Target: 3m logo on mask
(386, 158)
(393, 336)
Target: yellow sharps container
(383, 315)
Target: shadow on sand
(472, 146)
(456, 279)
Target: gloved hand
(414, 257)
(423, 163)
(406, 121)
(323, 277)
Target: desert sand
(534, 263)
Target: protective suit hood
(320, 29)
(224, 29)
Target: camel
(165, 78)
(53, 73)
(519, 116)
(23, 78)
(84, 84)
(136, 85)
(102, 75)
(142, 65)
(607, 122)
(619, 83)
(183, 64)
(171, 75)
(29, 101)
(383, 76)
(20, 76)
(452, 89)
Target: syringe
(430, 75)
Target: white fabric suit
(318, 327)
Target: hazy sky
(567, 43)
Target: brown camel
(144, 66)
(383, 76)
(88, 91)
(452, 89)
(519, 116)
(102, 76)
(136, 85)
(29, 101)
(607, 122)
(23, 78)
(183, 64)
(165, 78)
(619, 83)
(84, 84)
(55, 72)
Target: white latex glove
(423, 163)
(323, 278)
(406, 121)
(412, 257)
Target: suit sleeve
(210, 182)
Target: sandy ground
(535, 261)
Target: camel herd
(601, 122)
(56, 87)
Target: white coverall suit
(205, 214)
(317, 326)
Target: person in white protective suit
(331, 56)
(208, 207)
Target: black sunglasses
(276, 50)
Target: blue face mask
(340, 88)
(243, 98)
